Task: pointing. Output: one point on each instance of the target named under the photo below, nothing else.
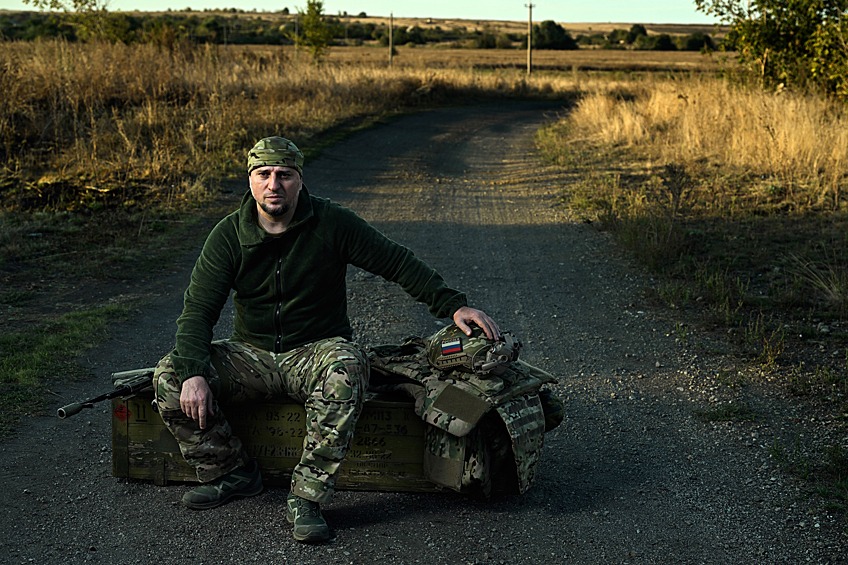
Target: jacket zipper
(278, 314)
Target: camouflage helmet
(450, 349)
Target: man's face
(275, 190)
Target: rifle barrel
(140, 383)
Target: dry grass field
(737, 199)
(520, 27)
(543, 60)
(122, 110)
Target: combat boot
(241, 482)
(309, 524)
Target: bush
(551, 35)
(696, 42)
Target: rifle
(126, 383)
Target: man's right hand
(196, 400)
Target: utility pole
(391, 38)
(346, 23)
(296, 35)
(529, 38)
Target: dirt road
(632, 476)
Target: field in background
(576, 60)
(498, 26)
(519, 27)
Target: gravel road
(632, 476)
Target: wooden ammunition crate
(387, 452)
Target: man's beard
(275, 211)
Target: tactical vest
(486, 429)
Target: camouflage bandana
(275, 152)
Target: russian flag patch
(451, 346)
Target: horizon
(599, 11)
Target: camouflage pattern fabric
(329, 377)
(465, 443)
(525, 424)
(468, 463)
(445, 458)
(480, 463)
(454, 400)
(275, 151)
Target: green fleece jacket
(290, 289)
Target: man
(284, 253)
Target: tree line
(285, 28)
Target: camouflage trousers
(329, 377)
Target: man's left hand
(467, 315)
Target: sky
(576, 11)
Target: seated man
(284, 253)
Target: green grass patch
(825, 472)
(730, 412)
(16, 296)
(55, 261)
(834, 470)
(35, 358)
(52, 262)
(98, 245)
(821, 380)
(93, 263)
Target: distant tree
(697, 41)
(210, 29)
(665, 43)
(315, 34)
(661, 42)
(485, 40)
(592, 40)
(360, 31)
(34, 25)
(636, 31)
(551, 35)
(617, 38)
(415, 35)
(162, 33)
(503, 41)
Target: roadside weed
(33, 358)
(828, 279)
(765, 339)
(835, 468)
(728, 412)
